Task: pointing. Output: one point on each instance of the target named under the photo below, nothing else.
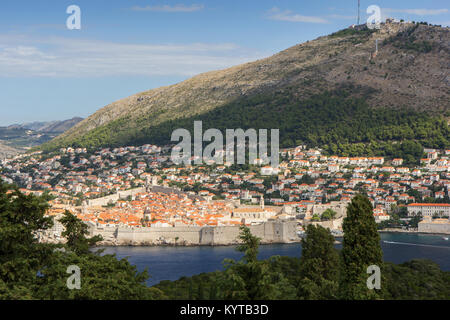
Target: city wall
(269, 232)
(335, 224)
(443, 228)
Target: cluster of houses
(304, 178)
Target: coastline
(172, 263)
(181, 244)
(392, 230)
(338, 240)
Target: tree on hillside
(21, 256)
(250, 279)
(33, 270)
(328, 214)
(361, 249)
(319, 265)
(75, 232)
(249, 246)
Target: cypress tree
(190, 290)
(213, 292)
(200, 292)
(319, 265)
(361, 248)
(247, 279)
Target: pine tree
(361, 248)
(75, 232)
(21, 256)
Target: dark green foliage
(316, 275)
(414, 222)
(20, 254)
(334, 121)
(250, 279)
(417, 279)
(364, 31)
(102, 277)
(186, 288)
(191, 291)
(319, 265)
(361, 249)
(213, 292)
(328, 214)
(249, 246)
(245, 279)
(33, 270)
(75, 232)
(306, 178)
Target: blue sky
(48, 72)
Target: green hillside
(332, 93)
(335, 121)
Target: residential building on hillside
(429, 209)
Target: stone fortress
(271, 224)
(269, 232)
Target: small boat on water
(445, 238)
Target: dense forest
(334, 121)
(413, 280)
(32, 270)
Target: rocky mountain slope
(7, 151)
(409, 71)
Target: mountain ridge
(48, 126)
(18, 138)
(410, 70)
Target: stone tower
(84, 207)
(147, 214)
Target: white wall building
(429, 209)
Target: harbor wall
(269, 232)
(443, 228)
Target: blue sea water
(171, 263)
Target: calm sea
(171, 263)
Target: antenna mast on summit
(359, 6)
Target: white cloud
(22, 56)
(418, 12)
(23, 51)
(343, 17)
(168, 8)
(287, 15)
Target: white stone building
(429, 209)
